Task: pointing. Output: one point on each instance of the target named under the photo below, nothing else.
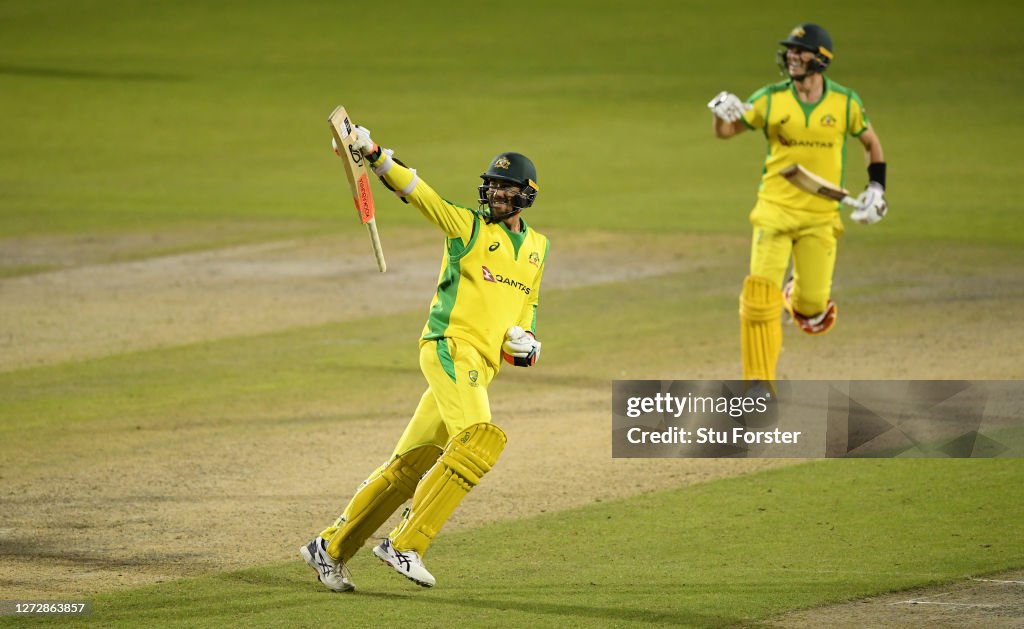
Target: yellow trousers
(810, 238)
(455, 399)
(456, 396)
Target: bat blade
(810, 182)
(358, 176)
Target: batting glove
(871, 205)
(728, 106)
(362, 143)
(520, 347)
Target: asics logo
(403, 560)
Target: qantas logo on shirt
(501, 279)
(817, 144)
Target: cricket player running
(806, 120)
(484, 311)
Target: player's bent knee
(406, 469)
(474, 451)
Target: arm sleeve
(857, 119)
(455, 221)
(756, 116)
(528, 316)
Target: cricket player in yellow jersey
(806, 120)
(483, 312)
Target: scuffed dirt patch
(990, 602)
(105, 309)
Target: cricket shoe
(406, 563)
(764, 412)
(331, 572)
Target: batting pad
(467, 457)
(760, 327)
(377, 498)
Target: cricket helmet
(514, 168)
(813, 38)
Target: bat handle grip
(378, 251)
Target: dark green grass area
(133, 117)
(716, 554)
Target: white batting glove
(728, 106)
(871, 205)
(362, 143)
(520, 347)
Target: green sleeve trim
(853, 96)
(767, 90)
(863, 114)
(456, 248)
(759, 93)
(447, 290)
(533, 323)
(842, 164)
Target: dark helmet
(813, 38)
(513, 168)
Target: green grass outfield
(716, 554)
(207, 121)
(167, 115)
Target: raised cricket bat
(344, 134)
(809, 182)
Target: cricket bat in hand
(809, 182)
(344, 134)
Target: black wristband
(876, 173)
(375, 155)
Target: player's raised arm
(456, 222)
(728, 112)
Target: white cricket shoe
(406, 563)
(331, 572)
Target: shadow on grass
(669, 617)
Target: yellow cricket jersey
(490, 276)
(810, 134)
